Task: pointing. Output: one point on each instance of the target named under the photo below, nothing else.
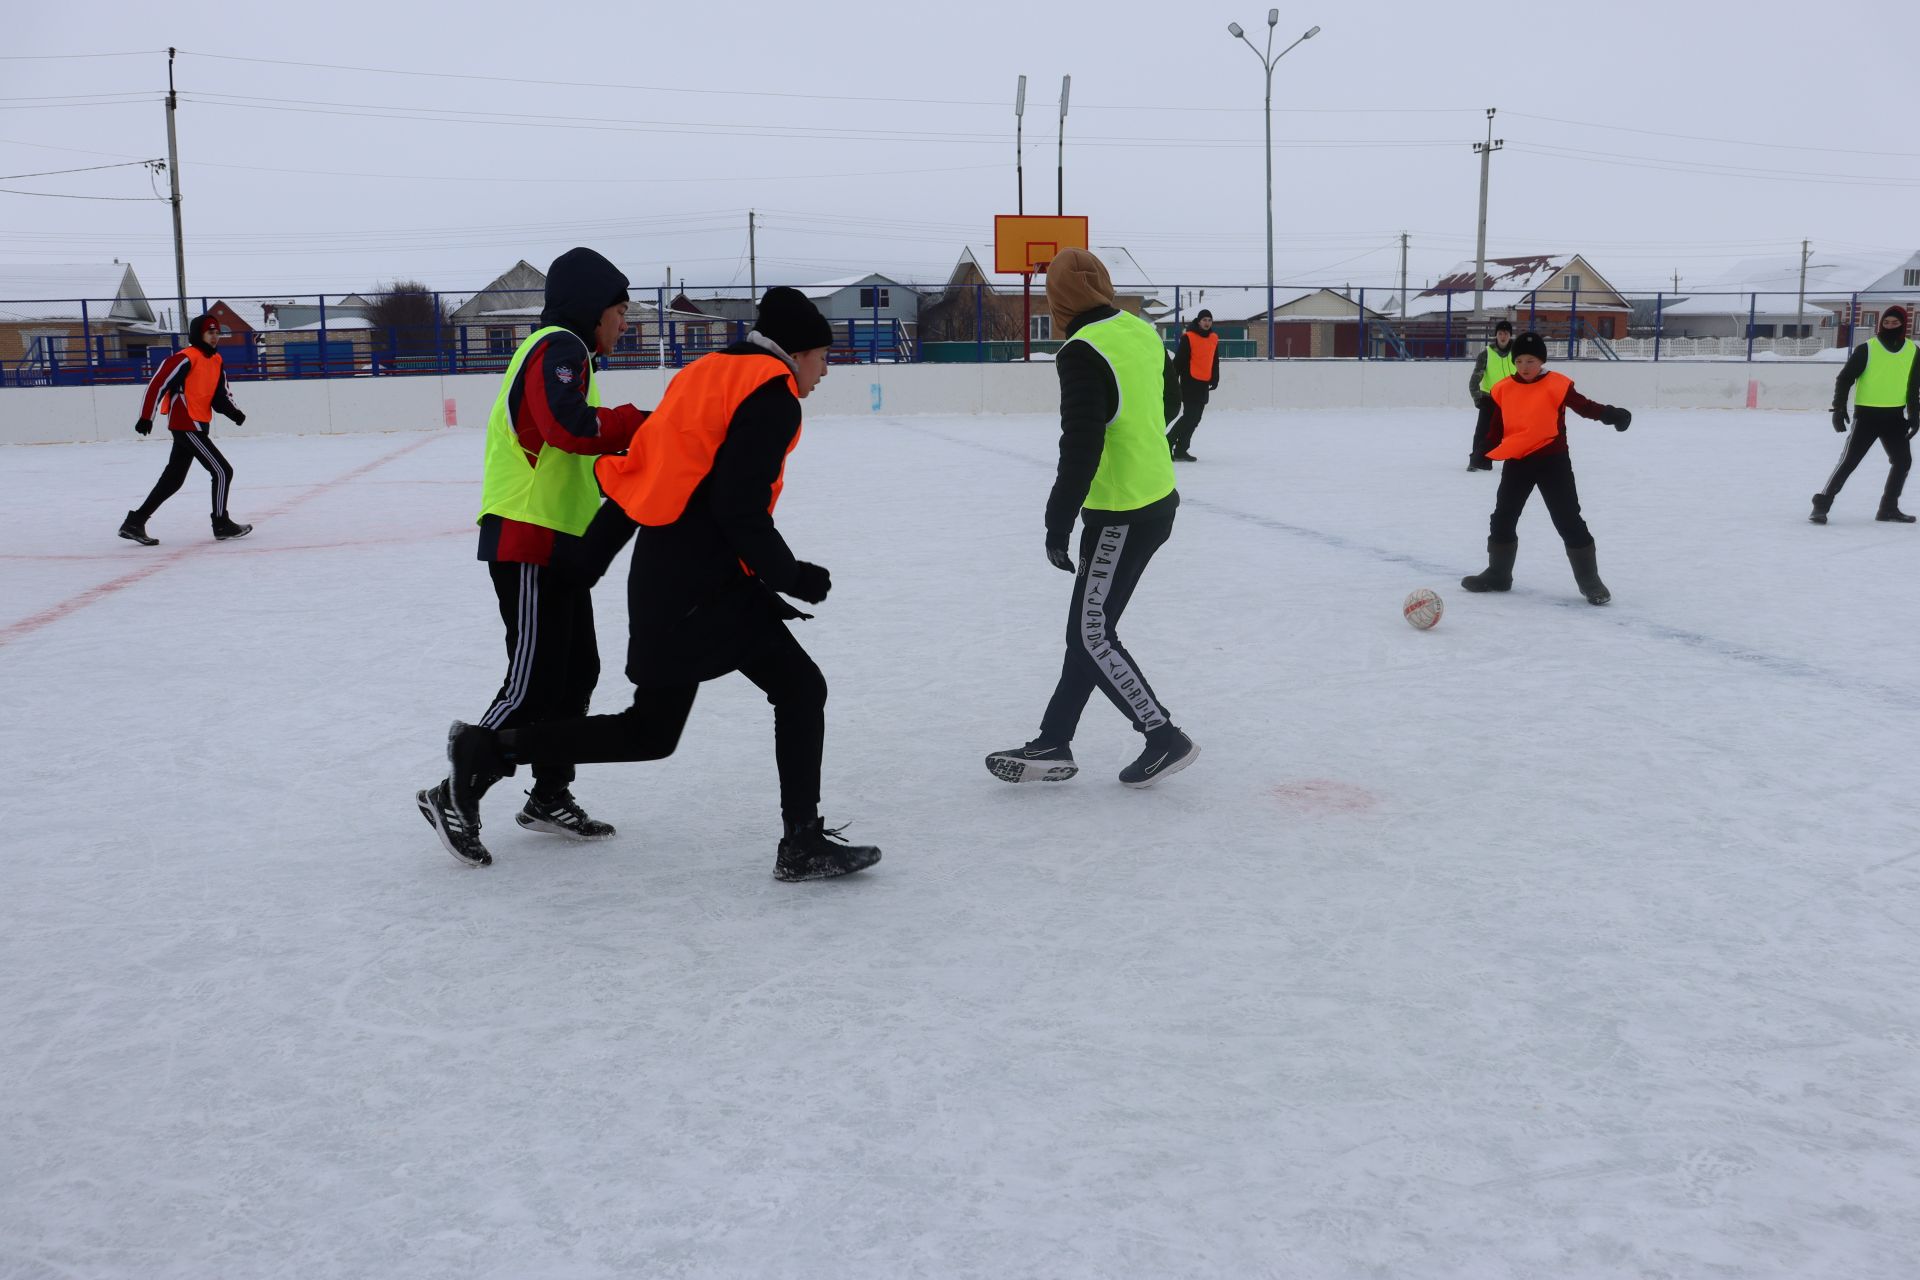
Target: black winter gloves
(144, 426)
(1617, 418)
(1839, 417)
(810, 583)
(237, 417)
(1057, 557)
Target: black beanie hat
(1204, 315)
(1503, 326)
(789, 318)
(1530, 344)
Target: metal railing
(93, 341)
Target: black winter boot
(809, 851)
(134, 529)
(1890, 511)
(225, 529)
(1498, 575)
(1586, 572)
(1822, 503)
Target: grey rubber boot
(1498, 575)
(1586, 572)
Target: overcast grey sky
(880, 136)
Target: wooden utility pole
(1486, 150)
(173, 174)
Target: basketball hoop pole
(1026, 316)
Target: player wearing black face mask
(1884, 377)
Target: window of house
(1870, 320)
(500, 340)
(629, 339)
(871, 298)
(1912, 277)
(1040, 328)
(1572, 283)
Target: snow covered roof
(332, 325)
(827, 288)
(1829, 274)
(1232, 306)
(1506, 280)
(1510, 274)
(257, 312)
(1771, 306)
(55, 291)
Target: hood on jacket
(581, 285)
(197, 332)
(1077, 282)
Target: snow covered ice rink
(1555, 942)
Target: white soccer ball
(1422, 609)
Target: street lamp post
(1267, 61)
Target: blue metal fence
(82, 341)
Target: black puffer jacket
(696, 612)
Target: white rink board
(43, 415)
(1556, 941)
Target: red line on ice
(93, 595)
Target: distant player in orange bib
(1197, 360)
(1527, 432)
(188, 388)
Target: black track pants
(1552, 474)
(190, 447)
(1112, 558)
(1193, 403)
(650, 728)
(1482, 421)
(553, 657)
(1889, 428)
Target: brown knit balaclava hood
(1077, 282)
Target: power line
(708, 129)
(62, 57)
(1156, 108)
(48, 173)
(1709, 168)
(1729, 142)
(58, 195)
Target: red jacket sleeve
(552, 404)
(164, 379)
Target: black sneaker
(561, 815)
(461, 837)
(1181, 455)
(1822, 503)
(1161, 758)
(813, 852)
(134, 529)
(1892, 513)
(226, 530)
(473, 757)
(1035, 762)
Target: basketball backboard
(1024, 243)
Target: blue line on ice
(1697, 640)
